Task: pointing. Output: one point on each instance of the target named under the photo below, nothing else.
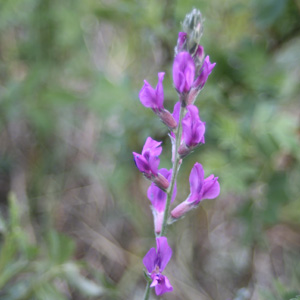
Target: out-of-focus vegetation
(75, 221)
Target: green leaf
(10, 271)
(60, 247)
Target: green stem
(147, 291)
(175, 169)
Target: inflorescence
(191, 69)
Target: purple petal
(181, 82)
(156, 279)
(187, 129)
(153, 98)
(153, 164)
(183, 72)
(160, 91)
(147, 95)
(211, 187)
(198, 133)
(141, 163)
(193, 127)
(176, 111)
(157, 197)
(164, 286)
(149, 260)
(205, 71)
(164, 252)
(152, 146)
(196, 179)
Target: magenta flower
(205, 71)
(151, 97)
(148, 162)
(208, 188)
(154, 98)
(183, 72)
(193, 128)
(158, 199)
(155, 262)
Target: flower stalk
(147, 291)
(175, 168)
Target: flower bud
(200, 53)
(161, 181)
(193, 26)
(199, 58)
(205, 71)
(167, 118)
(183, 72)
(181, 42)
(192, 96)
(183, 150)
(181, 209)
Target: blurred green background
(75, 220)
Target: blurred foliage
(31, 272)
(70, 72)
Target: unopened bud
(193, 26)
(181, 42)
(199, 58)
(181, 209)
(200, 53)
(183, 150)
(161, 181)
(192, 96)
(167, 118)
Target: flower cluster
(191, 69)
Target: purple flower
(155, 262)
(205, 71)
(154, 98)
(203, 74)
(158, 199)
(148, 161)
(151, 97)
(208, 188)
(193, 128)
(183, 72)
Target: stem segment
(175, 168)
(147, 291)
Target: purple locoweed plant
(191, 69)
